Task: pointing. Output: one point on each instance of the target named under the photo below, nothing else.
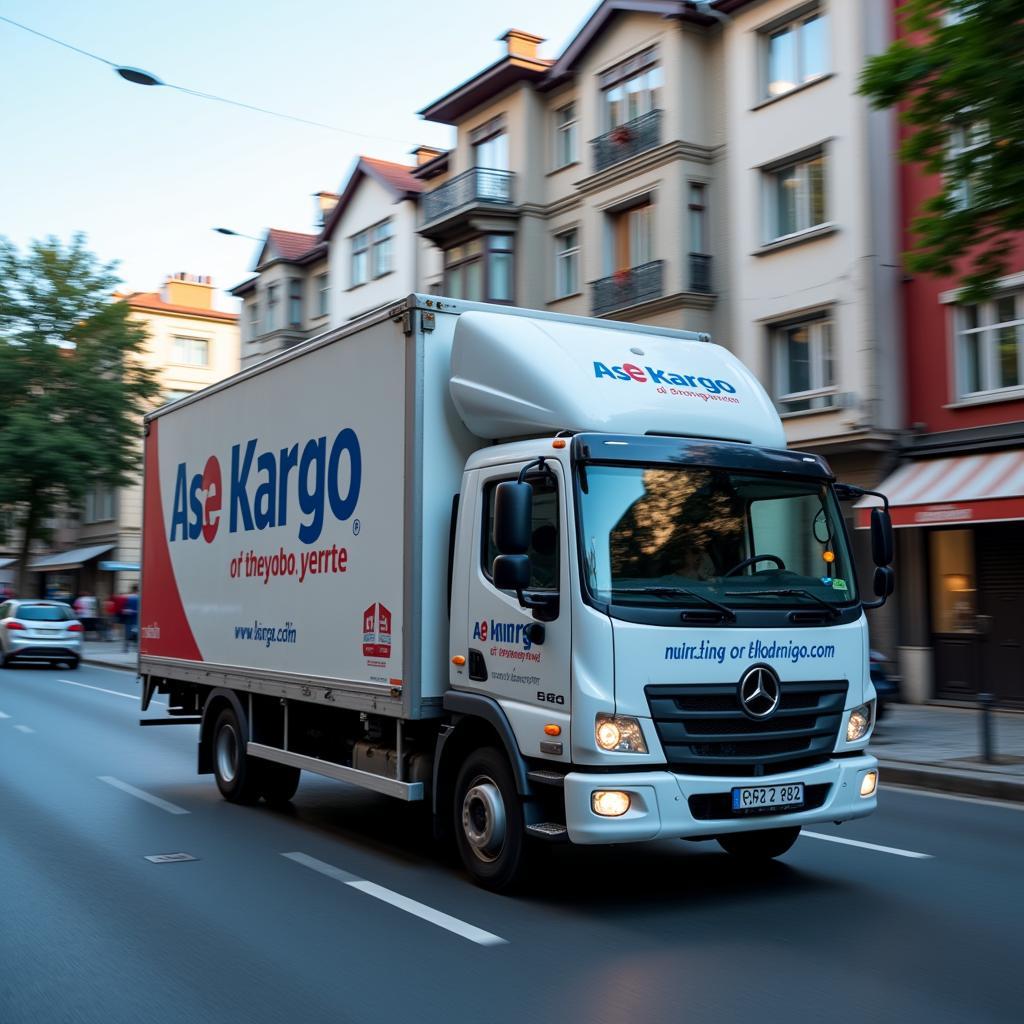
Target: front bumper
(664, 805)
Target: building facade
(191, 345)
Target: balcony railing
(700, 272)
(478, 185)
(628, 287)
(626, 140)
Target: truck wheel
(489, 827)
(237, 774)
(277, 782)
(759, 846)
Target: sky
(147, 173)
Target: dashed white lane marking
(113, 693)
(164, 805)
(868, 846)
(420, 910)
(1005, 805)
(24, 728)
(2, 715)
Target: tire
(488, 820)
(73, 664)
(236, 773)
(759, 846)
(277, 782)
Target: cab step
(546, 778)
(549, 831)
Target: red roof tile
(291, 245)
(152, 300)
(398, 176)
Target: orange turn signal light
(458, 660)
(553, 730)
(559, 442)
(829, 556)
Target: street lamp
(236, 234)
(137, 76)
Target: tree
(73, 387)
(958, 74)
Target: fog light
(869, 783)
(610, 803)
(857, 726)
(620, 733)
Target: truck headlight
(859, 723)
(620, 733)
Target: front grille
(704, 730)
(708, 806)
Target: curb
(946, 780)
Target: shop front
(961, 564)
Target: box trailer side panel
(275, 533)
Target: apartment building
(191, 345)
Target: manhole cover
(169, 858)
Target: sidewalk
(939, 748)
(926, 746)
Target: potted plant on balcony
(621, 135)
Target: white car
(39, 631)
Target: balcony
(628, 288)
(626, 140)
(480, 190)
(700, 273)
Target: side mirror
(513, 519)
(511, 572)
(881, 538)
(885, 582)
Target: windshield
(43, 613)
(688, 535)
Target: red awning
(965, 489)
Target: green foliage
(960, 69)
(73, 386)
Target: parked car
(39, 631)
(885, 685)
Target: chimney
(424, 154)
(325, 202)
(522, 44)
(195, 290)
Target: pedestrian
(130, 615)
(87, 610)
(109, 617)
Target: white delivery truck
(557, 576)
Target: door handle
(477, 666)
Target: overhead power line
(145, 78)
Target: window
(295, 302)
(254, 319)
(565, 136)
(272, 301)
(481, 270)
(794, 197)
(990, 345)
(953, 587)
(632, 242)
(631, 89)
(323, 293)
(804, 367)
(173, 396)
(698, 218)
(543, 550)
(795, 54)
(99, 505)
(360, 245)
(567, 264)
(492, 152)
(964, 140)
(190, 351)
(382, 249)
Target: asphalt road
(341, 909)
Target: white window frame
(360, 261)
(567, 263)
(964, 137)
(805, 220)
(566, 136)
(795, 23)
(822, 393)
(323, 291)
(382, 249)
(185, 346)
(271, 310)
(254, 319)
(296, 301)
(99, 506)
(988, 330)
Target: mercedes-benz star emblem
(759, 691)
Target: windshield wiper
(725, 610)
(789, 592)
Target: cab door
(520, 655)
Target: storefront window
(954, 608)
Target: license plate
(754, 798)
